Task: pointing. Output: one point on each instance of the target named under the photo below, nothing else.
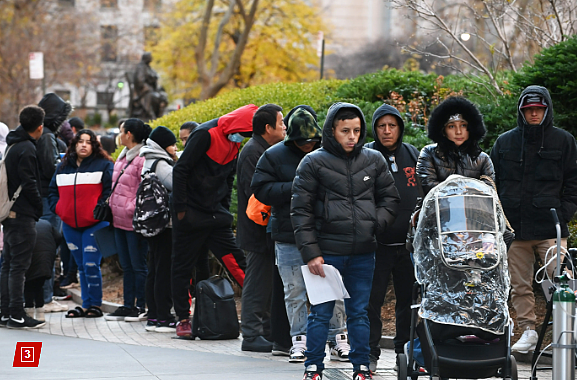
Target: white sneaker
(297, 351)
(527, 343)
(340, 350)
(29, 311)
(54, 307)
(39, 312)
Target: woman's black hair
(138, 128)
(97, 150)
(476, 128)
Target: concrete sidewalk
(85, 348)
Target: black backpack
(152, 212)
(215, 314)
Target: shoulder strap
(19, 189)
(153, 167)
(116, 182)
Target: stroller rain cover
(460, 256)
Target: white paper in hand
(329, 288)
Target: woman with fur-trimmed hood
(456, 126)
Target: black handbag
(102, 210)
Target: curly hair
(97, 150)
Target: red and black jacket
(75, 190)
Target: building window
(64, 94)
(104, 98)
(66, 3)
(151, 35)
(109, 39)
(152, 5)
(108, 3)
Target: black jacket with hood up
(439, 161)
(22, 169)
(341, 201)
(536, 169)
(405, 156)
(57, 111)
(275, 171)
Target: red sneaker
(184, 329)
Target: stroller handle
(558, 229)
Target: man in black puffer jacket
(392, 257)
(536, 170)
(343, 196)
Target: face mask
(236, 137)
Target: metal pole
(322, 58)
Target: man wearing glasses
(392, 258)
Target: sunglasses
(393, 166)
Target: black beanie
(163, 137)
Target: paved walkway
(85, 348)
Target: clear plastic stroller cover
(460, 256)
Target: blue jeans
(357, 272)
(289, 262)
(83, 247)
(132, 253)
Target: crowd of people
(333, 199)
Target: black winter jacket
(203, 176)
(275, 172)
(47, 241)
(536, 170)
(405, 156)
(340, 202)
(438, 161)
(249, 235)
(22, 169)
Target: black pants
(34, 293)
(280, 329)
(158, 292)
(189, 237)
(256, 293)
(394, 260)
(19, 240)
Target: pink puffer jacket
(123, 199)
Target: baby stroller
(460, 262)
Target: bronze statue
(148, 101)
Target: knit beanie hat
(163, 137)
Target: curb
(107, 307)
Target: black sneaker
(278, 350)
(4, 320)
(24, 323)
(363, 373)
(119, 314)
(151, 325)
(312, 373)
(166, 326)
(136, 315)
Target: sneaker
(311, 372)
(527, 343)
(373, 361)
(4, 320)
(29, 311)
(24, 323)
(340, 349)
(39, 314)
(136, 315)
(63, 297)
(166, 326)
(184, 329)
(297, 351)
(69, 285)
(278, 350)
(119, 314)
(151, 325)
(54, 307)
(363, 373)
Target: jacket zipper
(352, 203)
(75, 215)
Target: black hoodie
(341, 201)
(536, 167)
(22, 169)
(405, 156)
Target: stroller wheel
(514, 375)
(402, 367)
